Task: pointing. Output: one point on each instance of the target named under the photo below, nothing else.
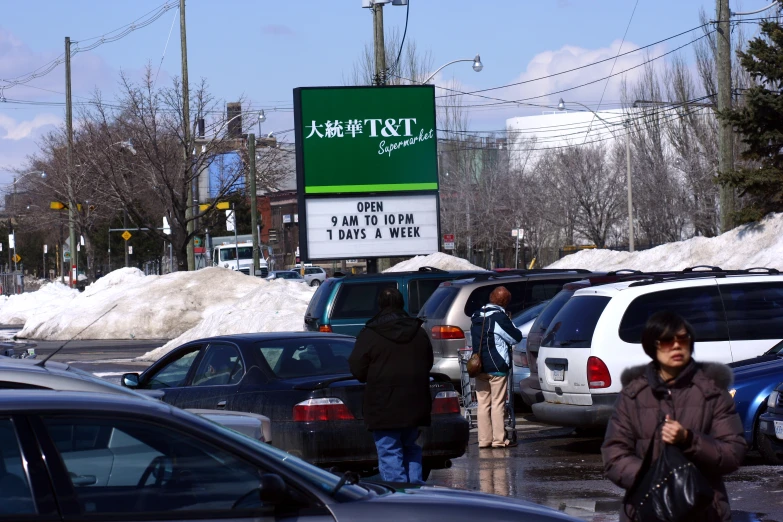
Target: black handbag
(671, 490)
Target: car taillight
(598, 374)
(445, 402)
(329, 409)
(447, 332)
(325, 328)
(520, 359)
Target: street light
(477, 66)
(561, 106)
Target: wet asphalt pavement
(550, 466)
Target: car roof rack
(700, 271)
(516, 273)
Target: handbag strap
(481, 337)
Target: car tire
(765, 448)
(316, 283)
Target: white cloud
(24, 129)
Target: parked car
(71, 455)
(597, 334)
(447, 313)
(302, 382)
(286, 274)
(313, 275)
(29, 374)
(754, 381)
(345, 304)
(524, 321)
(770, 427)
(530, 387)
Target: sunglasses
(667, 343)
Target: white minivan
(597, 334)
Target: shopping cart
(468, 395)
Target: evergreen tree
(760, 124)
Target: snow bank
(753, 245)
(436, 260)
(277, 306)
(44, 303)
(165, 307)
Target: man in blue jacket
(494, 336)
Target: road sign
(56, 205)
(223, 205)
(448, 241)
(17, 258)
(126, 235)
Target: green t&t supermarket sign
(355, 140)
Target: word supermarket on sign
(391, 225)
(377, 127)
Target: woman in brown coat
(693, 399)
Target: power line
(603, 93)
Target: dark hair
(391, 298)
(663, 324)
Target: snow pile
(44, 303)
(753, 245)
(129, 305)
(436, 260)
(277, 306)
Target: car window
(293, 358)
(173, 374)
(129, 467)
(221, 365)
(320, 300)
(528, 315)
(419, 290)
(575, 323)
(754, 311)
(480, 297)
(359, 300)
(539, 291)
(701, 306)
(437, 306)
(16, 497)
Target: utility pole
(69, 166)
(725, 140)
(630, 189)
(251, 152)
(378, 44)
(125, 226)
(189, 210)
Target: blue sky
(262, 49)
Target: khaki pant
(491, 398)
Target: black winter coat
(393, 355)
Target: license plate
(558, 372)
(779, 429)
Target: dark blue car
(754, 381)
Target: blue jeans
(399, 457)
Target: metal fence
(11, 283)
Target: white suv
(313, 275)
(736, 315)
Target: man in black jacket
(393, 355)
(494, 336)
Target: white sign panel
(286, 218)
(230, 223)
(46, 249)
(11, 242)
(372, 226)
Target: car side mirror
(271, 489)
(130, 380)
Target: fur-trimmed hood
(708, 375)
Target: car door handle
(221, 404)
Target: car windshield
(439, 302)
(287, 275)
(574, 324)
(294, 358)
(316, 476)
(776, 350)
(525, 316)
(230, 254)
